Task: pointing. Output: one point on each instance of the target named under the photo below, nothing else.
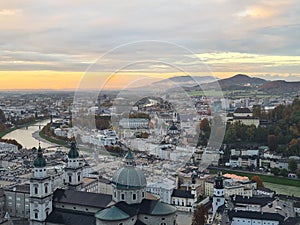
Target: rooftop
(82, 198)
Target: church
(128, 205)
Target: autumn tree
(200, 215)
(204, 132)
(258, 181)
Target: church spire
(73, 153)
(129, 158)
(40, 160)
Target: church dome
(129, 178)
(73, 153)
(40, 160)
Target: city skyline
(50, 45)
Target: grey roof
(147, 207)
(242, 110)
(68, 217)
(256, 215)
(129, 178)
(156, 208)
(182, 193)
(95, 200)
(252, 200)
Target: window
(46, 189)
(78, 177)
(122, 197)
(134, 196)
(143, 194)
(36, 190)
(70, 179)
(36, 215)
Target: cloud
(260, 35)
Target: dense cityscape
(59, 155)
(149, 112)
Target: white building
(163, 188)
(257, 218)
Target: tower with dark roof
(218, 198)
(40, 191)
(73, 170)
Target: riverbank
(3, 133)
(42, 136)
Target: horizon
(137, 86)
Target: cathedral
(128, 205)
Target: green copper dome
(129, 178)
(40, 160)
(112, 214)
(73, 153)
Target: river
(25, 136)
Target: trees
(204, 132)
(200, 215)
(2, 117)
(272, 142)
(292, 165)
(258, 181)
(275, 171)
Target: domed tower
(218, 198)
(73, 170)
(40, 191)
(129, 183)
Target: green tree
(292, 165)
(230, 135)
(275, 171)
(284, 172)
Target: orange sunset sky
(54, 44)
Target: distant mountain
(240, 81)
(186, 80)
(280, 86)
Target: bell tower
(40, 191)
(218, 198)
(73, 170)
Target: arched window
(122, 197)
(134, 196)
(36, 190)
(70, 179)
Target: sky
(54, 44)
